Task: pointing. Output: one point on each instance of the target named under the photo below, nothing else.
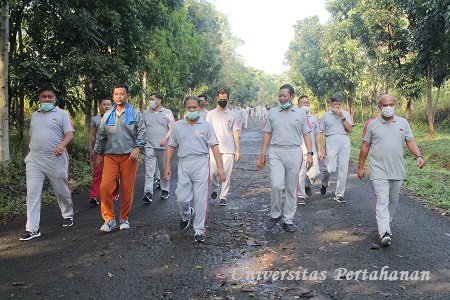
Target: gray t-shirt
(203, 113)
(120, 138)
(314, 122)
(157, 125)
(386, 147)
(332, 124)
(224, 124)
(47, 130)
(194, 139)
(287, 128)
(95, 123)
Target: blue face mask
(47, 106)
(152, 105)
(192, 115)
(285, 106)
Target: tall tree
(4, 128)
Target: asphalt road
(156, 260)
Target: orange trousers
(113, 166)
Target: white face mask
(388, 111)
(305, 108)
(152, 104)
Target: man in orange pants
(121, 136)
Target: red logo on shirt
(201, 134)
(54, 120)
(296, 121)
(401, 130)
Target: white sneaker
(124, 225)
(110, 224)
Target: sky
(266, 27)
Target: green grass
(429, 183)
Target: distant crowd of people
(208, 144)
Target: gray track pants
(284, 170)
(307, 177)
(39, 166)
(338, 156)
(193, 184)
(386, 196)
(155, 159)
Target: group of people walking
(208, 143)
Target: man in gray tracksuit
(283, 129)
(51, 130)
(158, 122)
(385, 137)
(193, 137)
(336, 124)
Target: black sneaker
(28, 235)
(308, 191)
(386, 239)
(94, 202)
(223, 202)
(164, 195)
(199, 237)
(68, 222)
(157, 182)
(289, 227)
(184, 223)
(272, 222)
(323, 190)
(301, 201)
(214, 196)
(339, 199)
(148, 197)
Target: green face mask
(47, 106)
(285, 106)
(192, 115)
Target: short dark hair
(289, 87)
(203, 96)
(121, 85)
(191, 98)
(224, 91)
(336, 98)
(103, 99)
(46, 88)
(158, 95)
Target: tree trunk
(408, 109)
(88, 113)
(430, 102)
(143, 104)
(4, 128)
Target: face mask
(388, 111)
(305, 108)
(285, 106)
(152, 105)
(192, 115)
(222, 103)
(47, 106)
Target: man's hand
(167, 174)
(237, 156)
(221, 174)
(134, 155)
(163, 142)
(361, 173)
(58, 150)
(261, 163)
(420, 162)
(98, 160)
(309, 161)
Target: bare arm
(59, 149)
(169, 154)
(318, 138)
(364, 151)
(93, 134)
(414, 149)
(219, 163)
(308, 144)
(164, 141)
(262, 156)
(238, 144)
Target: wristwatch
(312, 153)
